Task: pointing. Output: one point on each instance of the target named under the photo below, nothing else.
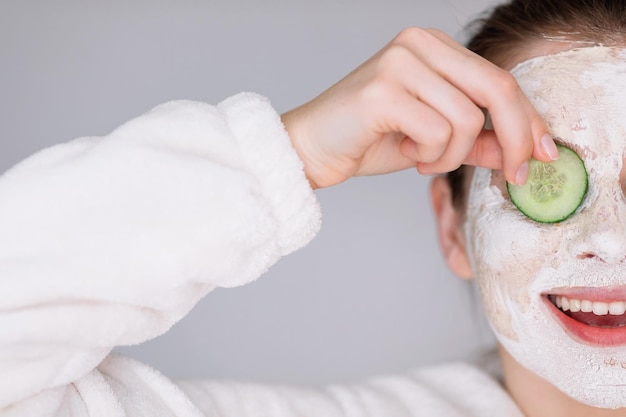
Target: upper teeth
(615, 308)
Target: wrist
(292, 122)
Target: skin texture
(516, 260)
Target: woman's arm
(109, 241)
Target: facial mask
(517, 262)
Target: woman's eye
(554, 190)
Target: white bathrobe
(108, 241)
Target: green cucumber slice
(554, 190)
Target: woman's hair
(510, 27)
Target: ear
(449, 228)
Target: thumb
(486, 151)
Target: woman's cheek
(508, 251)
(506, 262)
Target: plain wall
(371, 294)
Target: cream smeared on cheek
(582, 96)
(503, 243)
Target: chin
(583, 355)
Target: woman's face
(528, 272)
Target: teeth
(586, 306)
(599, 308)
(617, 309)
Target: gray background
(371, 294)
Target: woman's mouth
(595, 321)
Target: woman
(141, 224)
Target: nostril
(608, 257)
(605, 243)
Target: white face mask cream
(555, 293)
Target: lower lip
(595, 336)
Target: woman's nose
(601, 231)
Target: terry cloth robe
(108, 241)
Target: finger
(385, 156)
(486, 152)
(518, 129)
(445, 38)
(427, 132)
(465, 118)
(545, 150)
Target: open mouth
(594, 321)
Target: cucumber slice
(553, 190)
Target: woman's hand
(418, 102)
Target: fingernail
(426, 172)
(522, 174)
(549, 147)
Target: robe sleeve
(110, 240)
